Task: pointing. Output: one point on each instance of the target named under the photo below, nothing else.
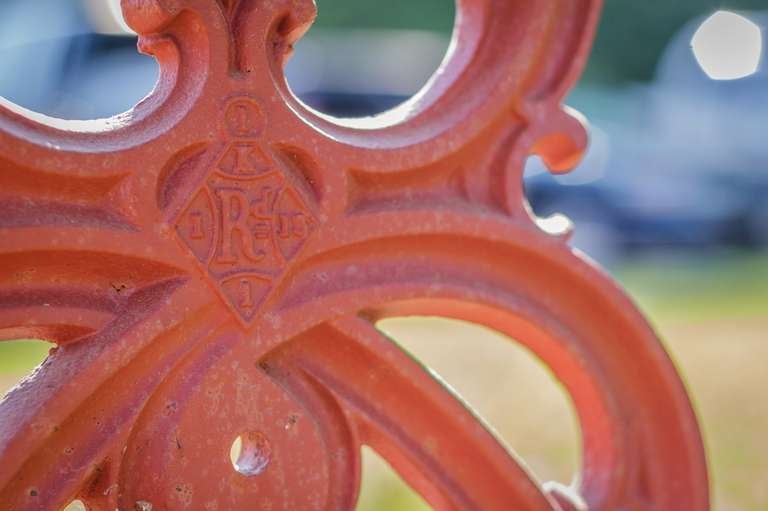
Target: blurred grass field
(711, 311)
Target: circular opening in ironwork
(75, 62)
(75, 505)
(365, 57)
(250, 453)
(504, 383)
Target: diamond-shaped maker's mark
(246, 222)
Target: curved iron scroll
(211, 264)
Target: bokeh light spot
(728, 46)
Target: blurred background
(672, 196)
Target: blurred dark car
(679, 162)
(615, 219)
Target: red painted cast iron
(211, 264)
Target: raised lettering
(234, 228)
(196, 232)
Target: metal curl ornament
(211, 265)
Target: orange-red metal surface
(212, 264)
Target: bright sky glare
(728, 46)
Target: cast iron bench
(212, 263)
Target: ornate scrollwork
(211, 265)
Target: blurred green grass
(712, 312)
(710, 309)
(686, 288)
